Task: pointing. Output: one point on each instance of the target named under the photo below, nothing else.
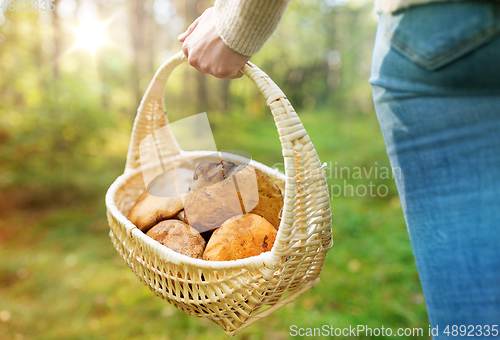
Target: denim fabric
(436, 89)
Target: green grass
(60, 277)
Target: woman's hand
(207, 52)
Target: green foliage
(57, 139)
(320, 56)
(55, 132)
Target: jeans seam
(488, 32)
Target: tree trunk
(194, 8)
(224, 96)
(102, 72)
(136, 15)
(56, 25)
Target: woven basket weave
(233, 294)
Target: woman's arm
(224, 37)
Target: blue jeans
(436, 89)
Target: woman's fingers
(190, 29)
(207, 52)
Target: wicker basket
(233, 294)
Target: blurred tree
(56, 24)
(193, 9)
(136, 26)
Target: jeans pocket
(436, 35)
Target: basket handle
(305, 184)
(151, 113)
(151, 116)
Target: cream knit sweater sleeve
(245, 25)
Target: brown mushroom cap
(240, 237)
(246, 190)
(179, 237)
(270, 199)
(149, 210)
(209, 173)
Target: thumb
(190, 30)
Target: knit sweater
(245, 25)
